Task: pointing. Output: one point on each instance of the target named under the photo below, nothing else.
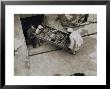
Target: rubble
(92, 18)
(72, 19)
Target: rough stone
(21, 61)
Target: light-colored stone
(92, 18)
(63, 63)
(21, 61)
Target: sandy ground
(64, 63)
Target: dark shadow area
(28, 21)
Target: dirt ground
(57, 61)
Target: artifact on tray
(54, 37)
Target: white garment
(38, 29)
(76, 40)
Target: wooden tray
(54, 37)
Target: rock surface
(21, 61)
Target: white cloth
(76, 40)
(38, 29)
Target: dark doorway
(28, 21)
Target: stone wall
(21, 60)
